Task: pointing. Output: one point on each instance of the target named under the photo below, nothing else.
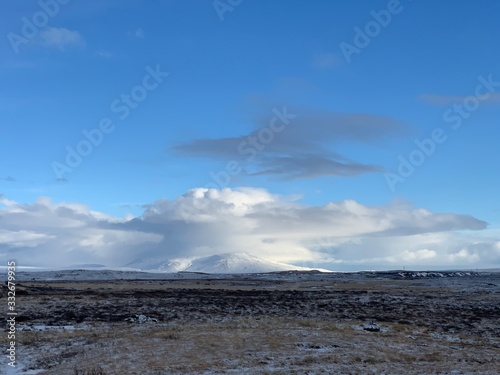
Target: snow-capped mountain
(220, 263)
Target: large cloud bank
(338, 235)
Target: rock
(141, 319)
(372, 327)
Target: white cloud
(60, 37)
(6, 202)
(463, 255)
(205, 222)
(23, 238)
(411, 256)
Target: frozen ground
(280, 323)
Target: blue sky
(352, 119)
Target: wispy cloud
(302, 166)
(306, 147)
(60, 38)
(137, 33)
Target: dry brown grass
(293, 344)
(94, 370)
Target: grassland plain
(286, 323)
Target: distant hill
(220, 263)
